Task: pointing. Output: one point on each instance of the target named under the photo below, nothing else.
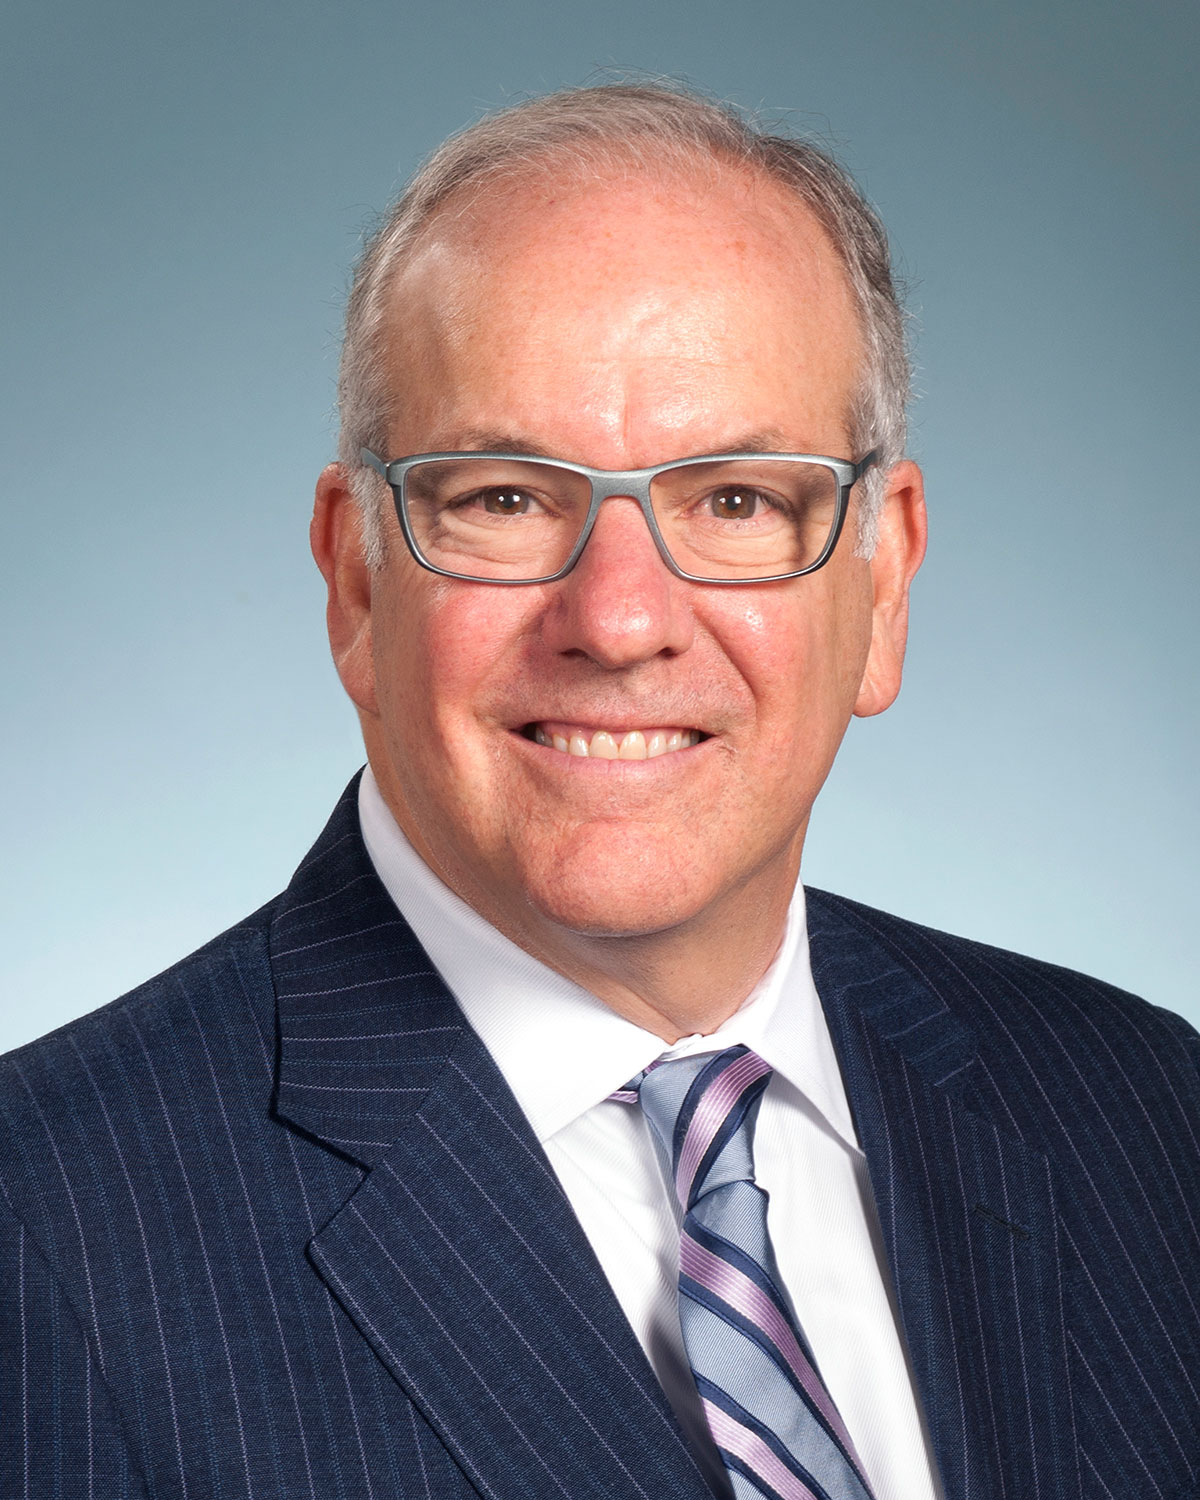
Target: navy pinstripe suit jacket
(273, 1226)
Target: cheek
(801, 651)
(444, 643)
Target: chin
(621, 899)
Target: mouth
(584, 741)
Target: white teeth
(635, 744)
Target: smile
(604, 744)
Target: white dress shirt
(563, 1052)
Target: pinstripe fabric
(176, 1343)
(235, 1253)
(273, 1226)
(1032, 1139)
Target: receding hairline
(558, 164)
(455, 219)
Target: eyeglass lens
(520, 519)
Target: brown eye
(734, 505)
(505, 502)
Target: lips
(603, 744)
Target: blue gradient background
(184, 190)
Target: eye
(735, 504)
(505, 502)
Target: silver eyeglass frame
(610, 484)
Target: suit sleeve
(59, 1436)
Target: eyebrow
(494, 440)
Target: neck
(686, 980)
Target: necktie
(774, 1423)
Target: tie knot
(702, 1112)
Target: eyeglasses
(724, 518)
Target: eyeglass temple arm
(372, 462)
(861, 467)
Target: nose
(620, 604)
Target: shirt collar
(560, 1049)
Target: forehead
(635, 305)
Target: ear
(898, 554)
(336, 538)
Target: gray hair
(654, 129)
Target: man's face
(620, 325)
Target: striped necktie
(773, 1421)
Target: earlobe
(898, 555)
(336, 539)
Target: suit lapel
(458, 1258)
(967, 1215)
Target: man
(543, 1138)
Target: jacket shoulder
(1069, 1028)
(228, 951)
(177, 1027)
(966, 971)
